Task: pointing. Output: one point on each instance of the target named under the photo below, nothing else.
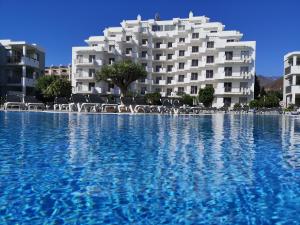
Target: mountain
(271, 83)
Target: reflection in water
(155, 169)
(291, 141)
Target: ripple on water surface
(149, 169)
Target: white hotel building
(180, 56)
(291, 81)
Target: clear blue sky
(57, 25)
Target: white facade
(180, 55)
(291, 81)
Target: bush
(187, 99)
(206, 96)
(237, 106)
(254, 104)
(153, 98)
(290, 108)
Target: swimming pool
(58, 168)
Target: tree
(254, 104)
(59, 88)
(49, 87)
(206, 95)
(256, 87)
(121, 74)
(263, 92)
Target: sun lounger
(32, 103)
(13, 101)
(140, 105)
(102, 104)
(79, 102)
(126, 103)
(61, 103)
(166, 107)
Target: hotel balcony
(292, 70)
(84, 76)
(24, 60)
(85, 62)
(162, 82)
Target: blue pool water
(149, 169)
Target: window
(195, 49)
(244, 69)
(157, 28)
(157, 79)
(111, 61)
(230, 40)
(194, 89)
(298, 61)
(144, 41)
(92, 58)
(243, 100)
(91, 86)
(228, 71)
(195, 35)
(181, 65)
(227, 101)
(228, 55)
(157, 68)
(194, 76)
(144, 54)
(157, 90)
(180, 90)
(144, 65)
(169, 27)
(210, 44)
(169, 91)
(243, 85)
(210, 59)
(213, 31)
(170, 44)
(181, 27)
(170, 56)
(194, 62)
(227, 86)
(157, 56)
(181, 52)
(169, 68)
(143, 90)
(169, 80)
(180, 78)
(111, 48)
(128, 51)
(181, 40)
(245, 54)
(157, 45)
(209, 73)
(128, 38)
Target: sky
(57, 25)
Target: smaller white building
(291, 81)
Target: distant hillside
(272, 83)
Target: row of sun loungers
(99, 103)
(30, 102)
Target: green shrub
(206, 96)
(153, 98)
(237, 106)
(187, 99)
